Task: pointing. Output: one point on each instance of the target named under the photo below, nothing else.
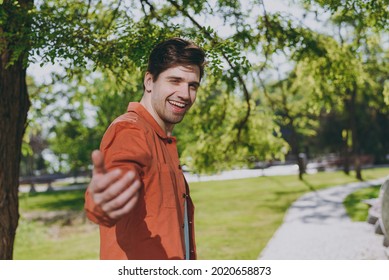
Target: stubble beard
(169, 117)
(172, 119)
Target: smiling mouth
(177, 104)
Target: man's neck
(167, 128)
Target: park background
(302, 83)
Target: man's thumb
(98, 162)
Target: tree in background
(343, 76)
(296, 115)
(14, 104)
(77, 131)
(208, 135)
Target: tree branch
(214, 41)
(87, 9)
(152, 11)
(114, 14)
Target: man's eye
(193, 86)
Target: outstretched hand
(116, 193)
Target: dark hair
(174, 52)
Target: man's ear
(148, 82)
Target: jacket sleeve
(124, 146)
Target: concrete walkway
(317, 227)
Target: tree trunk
(14, 105)
(354, 136)
(295, 147)
(301, 165)
(346, 153)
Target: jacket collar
(138, 108)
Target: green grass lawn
(35, 241)
(51, 201)
(355, 207)
(234, 219)
(45, 237)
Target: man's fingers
(123, 198)
(110, 186)
(126, 209)
(98, 162)
(100, 182)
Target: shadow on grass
(282, 185)
(53, 201)
(308, 185)
(283, 196)
(275, 180)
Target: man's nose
(184, 91)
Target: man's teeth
(178, 104)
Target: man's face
(173, 93)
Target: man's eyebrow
(174, 78)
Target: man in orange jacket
(138, 194)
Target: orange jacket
(154, 228)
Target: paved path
(317, 227)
